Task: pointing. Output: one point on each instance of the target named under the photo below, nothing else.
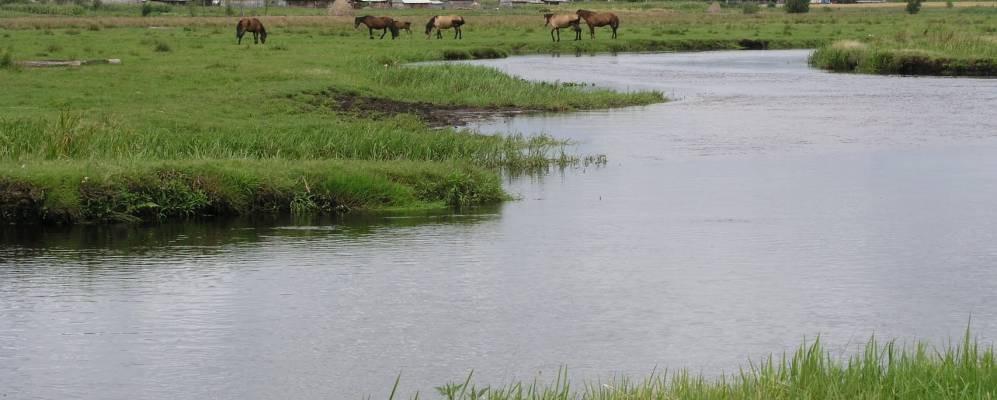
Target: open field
(187, 102)
(962, 370)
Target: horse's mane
(429, 25)
(584, 12)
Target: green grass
(964, 370)
(933, 50)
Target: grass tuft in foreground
(964, 370)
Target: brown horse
(251, 25)
(595, 20)
(445, 22)
(556, 22)
(385, 23)
(404, 25)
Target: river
(767, 203)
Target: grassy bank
(129, 191)
(965, 370)
(934, 49)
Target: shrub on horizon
(797, 6)
(913, 6)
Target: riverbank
(319, 89)
(890, 370)
(928, 51)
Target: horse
(594, 20)
(251, 25)
(385, 23)
(404, 25)
(445, 22)
(556, 22)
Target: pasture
(192, 123)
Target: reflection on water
(726, 225)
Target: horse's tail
(429, 25)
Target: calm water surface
(768, 203)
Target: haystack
(340, 8)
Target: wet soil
(435, 115)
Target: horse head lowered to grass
(556, 22)
(445, 22)
(384, 23)
(251, 25)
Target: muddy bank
(435, 115)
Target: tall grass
(935, 51)
(74, 136)
(964, 370)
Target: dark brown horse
(595, 20)
(251, 25)
(556, 22)
(445, 22)
(404, 25)
(384, 23)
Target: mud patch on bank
(435, 115)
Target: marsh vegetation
(892, 370)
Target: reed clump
(964, 370)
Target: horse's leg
(370, 31)
(460, 30)
(439, 33)
(256, 38)
(614, 30)
(578, 31)
(592, 31)
(456, 31)
(384, 33)
(239, 36)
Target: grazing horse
(556, 22)
(595, 20)
(445, 22)
(384, 23)
(404, 25)
(251, 25)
